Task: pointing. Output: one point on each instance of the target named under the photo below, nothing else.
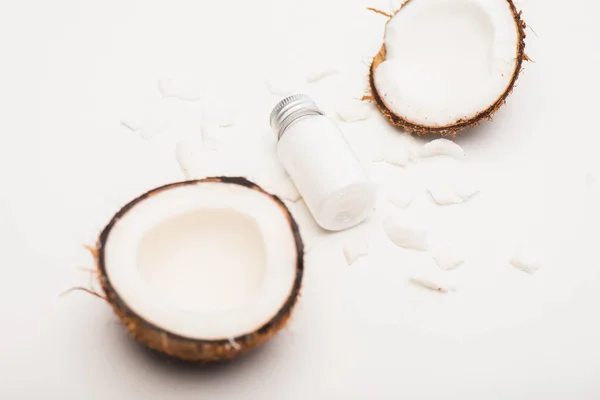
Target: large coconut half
(447, 64)
(202, 270)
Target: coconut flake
(286, 189)
(147, 129)
(397, 156)
(318, 74)
(444, 194)
(431, 281)
(210, 135)
(405, 235)
(279, 183)
(355, 250)
(148, 120)
(401, 196)
(442, 147)
(526, 260)
(448, 258)
(354, 111)
(276, 180)
(224, 116)
(451, 190)
(283, 85)
(188, 155)
(465, 189)
(185, 90)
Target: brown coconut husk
(184, 348)
(452, 129)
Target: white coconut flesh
(204, 261)
(447, 60)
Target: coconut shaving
(354, 250)
(442, 147)
(405, 235)
(354, 111)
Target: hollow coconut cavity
(202, 270)
(446, 65)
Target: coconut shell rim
(461, 124)
(121, 307)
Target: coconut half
(202, 270)
(446, 65)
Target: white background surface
(70, 69)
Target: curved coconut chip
(451, 129)
(184, 348)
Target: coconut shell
(184, 348)
(452, 129)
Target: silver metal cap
(289, 110)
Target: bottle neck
(290, 110)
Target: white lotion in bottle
(327, 173)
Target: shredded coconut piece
(448, 258)
(184, 158)
(405, 236)
(465, 189)
(188, 157)
(233, 343)
(442, 147)
(430, 281)
(354, 111)
(397, 156)
(444, 194)
(286, 189)
(209, 135)
(526, 260)
(148, 120)
(276, 180)
(401, 196)
(182, 90)
(283, 86)
(355, 250)
(450, 190)
(225, 117)
(318, 74)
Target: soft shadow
(466, 135)
(180, 366)
(179, 370)
(487, 130)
